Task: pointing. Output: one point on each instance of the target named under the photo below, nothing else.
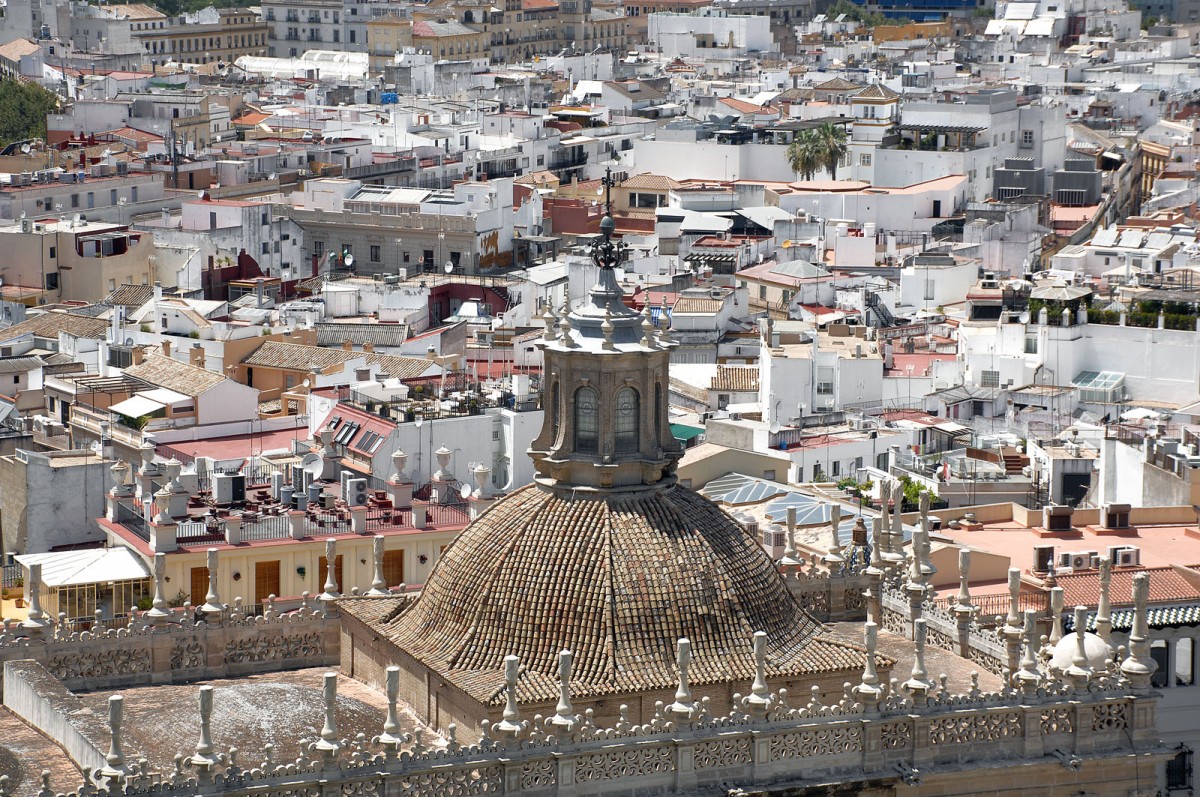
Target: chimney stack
(196, 355)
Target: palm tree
(833, 147)
(805, 154)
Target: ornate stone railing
(180, 649)
(682, 750)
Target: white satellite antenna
(97, 447)
(348, 260)
(465, 491)
(312, 465)
(25, 148)
(448, 268)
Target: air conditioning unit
(1057, 518)
(358, 492)
(229, 488)
(1078, 560)
(1115, 516)
(1043, 558)
(774, 537)
(1129, 557)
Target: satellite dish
(1024, 317)
(312, 465)
(448, 268)
(128, 341)
(200, 194)
(465, 491)
(25, 148)
(349, 260)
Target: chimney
(347, 345)
(166, 348)
(157, 290)
(138, 355)
(196, 355)
(369, 347)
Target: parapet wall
(36, 696)
(181, 650)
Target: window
(1185, 672)
(266, 247)
(587, 421)
(769, 475)
(628, 420)
(837, 468)
(1159, 652)
(375, 256)
(989, 379)
(555, 416)
(318, 248)
(1031, 344)
(864, 160)
(266, 580)
(1179, 770)
(74, 200)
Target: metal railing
(383, 518)
(131, 518)
(200, 532)
(11, 577)
(269, 527)
(322, 522)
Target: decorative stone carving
(101, 664)
(633, 763)
(975, 728)
(1110, 717)
(538, 775)
(1058, 720)
(187, 654)
(273, 648)
(723, 753)
(825, 741)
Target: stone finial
(876, 567)
(203, 759)
(964, 578)
(648, 329)
(684, 708)
(330, 592)
(1028, 676)
(897, 538)
(834, 558)
(120, 477)
(391, 737)
(869, 691)
(114, 762)
(329, 744)
(159, 613)
(789, 542)
(399, 461)
(443, 456)
(378, 587)
(919, 686)
(1014, 598)
(173, 468)
(551, 322)
(1104, 607)
(1057, 607)
(482, 474)
(146, 450)
(759, 700)
(35, 620)
(212, 600)
(564, 713)
(1138, 665)
(924, 549)
(564, 327)
(511, 727)
(1080, 671)
(607, 329)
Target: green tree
(804, 154)
(833, 147)
(23, 109)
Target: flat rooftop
(277, 708)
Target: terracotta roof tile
(1167, 585)
(183, 378)
(298, 357)
(651, 182)
(617, 580)
(48, 325)
(737, 379)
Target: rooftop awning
(137, 406)
(90, 566)
(943, 128)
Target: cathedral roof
(617, 578)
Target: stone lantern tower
(606, 391)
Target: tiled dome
(617, 578)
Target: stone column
(963, 610)
(442, 479)
(212, 608)
(233, 529)
(378, 585)
(330, 592)
(163, 529)
(481, 498)
(1013, 626)
(298, 522)
(358, 519)
(159, 613)
(36, 621)
(178, 502)
(147, 473)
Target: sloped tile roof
(19, 365)
(130, 295)
(688, 390)
(334, 334)
(1166, 585)
(183, 378)
(651, 182)
(48, 325)
(696, 304)
(736, 379)
(298, 357)
(876, 91)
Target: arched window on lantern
(587, 421)
(555, 414)
(627, 422)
